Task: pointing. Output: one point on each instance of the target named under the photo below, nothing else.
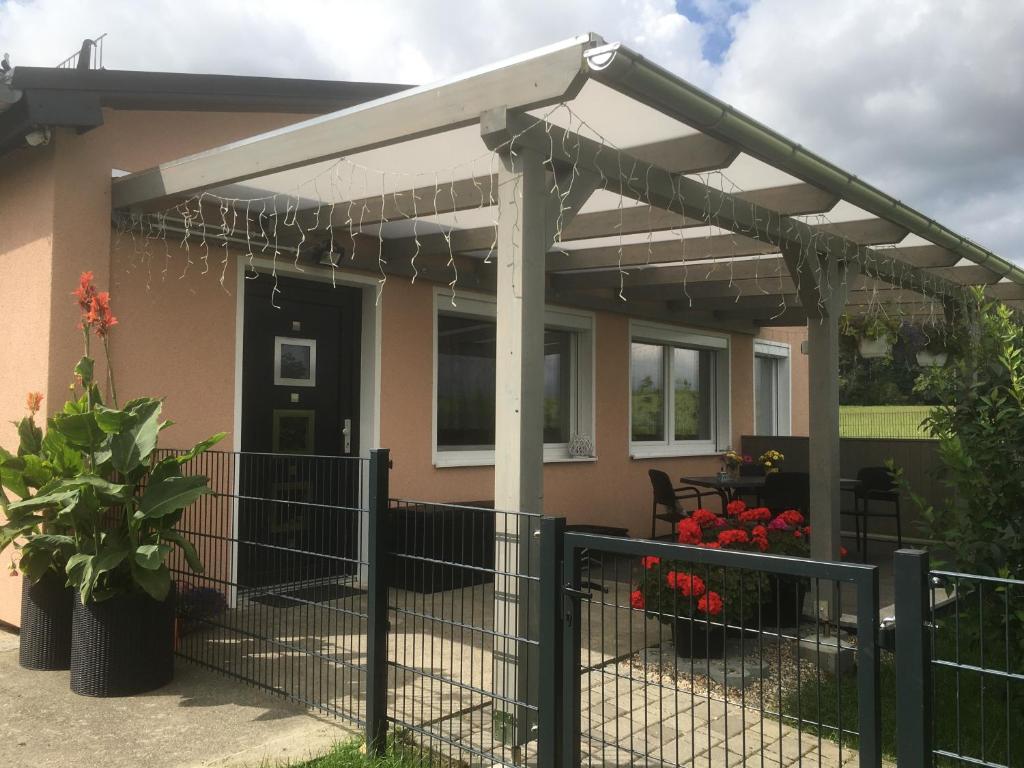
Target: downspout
(626, 71)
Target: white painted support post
(519, 420)
(823, 395)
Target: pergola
(596, 176)
(585, 175)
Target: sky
(923, 98)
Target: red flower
(686, 584)
(762, 543)
(34, 402)
(99, 316)
(85, 291)
(689, 532)
(636, 599)
(748, 459)
(733, 508)
(756, 515)
(759, 531)
(650, 561)
(711, 545)
(735, 536)
(798, 534)
(792, 517)
(703, 517)
(711, 604)
(843, 552)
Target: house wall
(55, 224)
(614, 490)
(26, 231)
(177, 328)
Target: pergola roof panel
(419, 154)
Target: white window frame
(782, 352)
(721, 425)
(580, 323)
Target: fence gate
(752, 679)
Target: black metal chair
(665, 495)
(750, 496)
(787, 490)
(875, 485)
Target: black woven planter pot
(122, 646)
(46, 623)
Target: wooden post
(519, 424)
(823, 406)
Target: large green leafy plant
(979, 423)
(105, 506)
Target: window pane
(465, 383)
(557, 386)
(691, 387)
(766, 394)
(648, 392)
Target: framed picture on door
(293, 431)
(294, 362)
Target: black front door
(300, 419)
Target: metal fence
(462, 637)
(483, 637)
(643, 684)
(961, 666)
(281, 603)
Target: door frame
(369, 378)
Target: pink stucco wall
(614, 490)
(55, 224)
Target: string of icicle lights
(350, 215)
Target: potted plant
(771, 460)
(744, 600)
(875, 335)
(43, 543)
(122, 504)
(733, 462)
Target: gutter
(628, 72)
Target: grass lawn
(349, 754)
(970, 718)
(894, 422)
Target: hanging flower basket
(929, 359)
(874, 348)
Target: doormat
(319, 593)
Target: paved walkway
(201, 719)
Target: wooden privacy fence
(918, 459)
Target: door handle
(346, 434)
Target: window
(466, 341)
(678, 391)
(771, 388)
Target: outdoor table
(732, 487)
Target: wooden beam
(548, 76)
(696, 200)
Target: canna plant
(105, 507)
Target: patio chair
(875, 489)
(668, 497)
(751, 470)
(787, 490)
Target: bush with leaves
(979, 423)
(104, 508)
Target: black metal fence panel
(281, 603)
(463, 642)
(976, 651)
(726, 666)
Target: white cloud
(923, 97)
